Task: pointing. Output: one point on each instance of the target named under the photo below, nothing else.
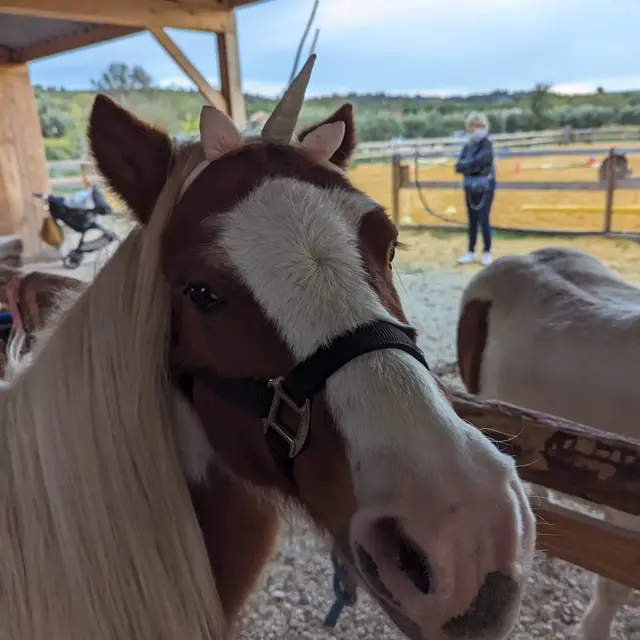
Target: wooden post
(84, 175)
(230, 76)
(611, 188)
(395, 188)
(23, 166)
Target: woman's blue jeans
(478, 212)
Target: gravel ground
(296, 590)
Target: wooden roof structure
(34, 29)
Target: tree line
(63, 114)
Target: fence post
(611, 188)
(84, 174)
(395, 188)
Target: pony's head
(290, 342)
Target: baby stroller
(80, 212)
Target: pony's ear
(218, 133)
(342, 154)
(133, 157)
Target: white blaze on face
(295, 246)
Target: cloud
(254, 87)
(357, 14)
(431, 93)
(401, 46)
(182, 82)
(625, 83)
(266, 89)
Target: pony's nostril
(411, 561)
(370, 571)
(487, 612)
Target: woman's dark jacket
(476, 158)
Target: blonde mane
(98, 537)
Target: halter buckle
(294, 441)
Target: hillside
(379, 116)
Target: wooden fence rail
(506, 144)
(577, 461)
(400, 179)
(506, 141)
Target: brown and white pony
(143, 456)
(556, 331)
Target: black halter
(299, 386)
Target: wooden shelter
(33, 29)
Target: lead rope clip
(344, 588)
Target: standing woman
(477, 166)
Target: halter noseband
(297, 389)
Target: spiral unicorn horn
(282, 122)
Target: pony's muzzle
(428, 593)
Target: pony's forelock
(95, 513)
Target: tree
(52, 123)
(539, 104)
(140, 78)
(119, 78)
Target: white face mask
(478, 134)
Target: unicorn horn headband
(282, 122)
(219, 135)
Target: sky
(428, 47)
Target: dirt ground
(375, 179)
(440, 249)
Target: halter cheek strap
(192, 176)
(296, 390)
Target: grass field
(375, 179)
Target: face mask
(478, 134)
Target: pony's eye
(391, 254)
(203, 298)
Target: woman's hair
(477, 118)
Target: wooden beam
(234, 4)
(75, 40)
(207, 91)
(6, 54)
(561, 455)
(575, 460)
(203, 15)
(23, 167)
(604, 548)
(230, 76)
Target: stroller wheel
(72, 260)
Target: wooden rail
(530, 185)
(508, 143)
(577, 461)
(400, 179)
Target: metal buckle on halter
(297, 440)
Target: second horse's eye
(203, 298)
